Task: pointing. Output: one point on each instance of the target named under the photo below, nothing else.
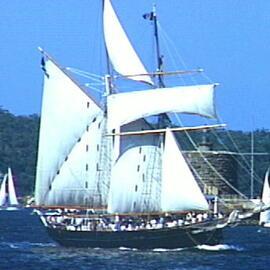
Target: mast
(163, 117)
(158, 55)
(152, 16)
(252, 166)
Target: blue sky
(228, 39)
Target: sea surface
(24, 244)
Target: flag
(149, 16)
(43, 66)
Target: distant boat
(265, 215)
(8, 198)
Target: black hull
(170, 238)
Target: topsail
(122, 55)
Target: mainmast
(163, 117)
(152, 16)
(158, 55)
(252, 166)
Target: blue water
(24, 244)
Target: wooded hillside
(19, 140)
(18, 148)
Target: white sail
(135, 182)
(11, 190)
(67, 113)
(3, 192)
(127, 107)
(140, 184)
(76, 182)
(122, 55)
(179, 189)
(265, 216)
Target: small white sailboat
(265, 215)
(8, 197)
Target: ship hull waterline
(169, 238)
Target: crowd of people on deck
(71, 220)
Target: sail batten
(129, 106)
(121, 53)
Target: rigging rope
(257, 178)
(209, 164)
(175, 51)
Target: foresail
(135, 182)
(11, 189)
(265, 216)
(3, 192)
(179, 189)
(67, 113)
(78, 180)
(121, 53)
(126, 107)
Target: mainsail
(11, 190)
(122, 55)
(265, 216)
(7, 191)
(135, 182)
(149, 179)
(129, 106)
(70, 132)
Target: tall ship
(106, 176)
